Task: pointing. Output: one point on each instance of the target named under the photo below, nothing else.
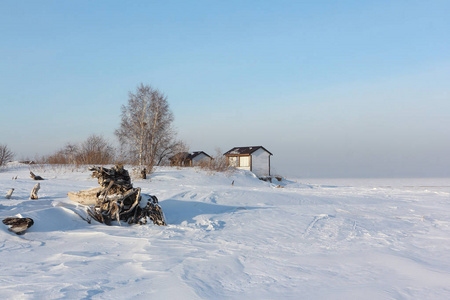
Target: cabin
(255, 159)
(192, 159)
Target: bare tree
(66, 155)
(165, 153)
(95, 150)
(219, 162)
(5, 154)
(146, 130)
(70, 152)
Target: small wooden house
(255, 159)
(186, 159)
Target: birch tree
(146, 132)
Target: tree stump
(119, 201)
(34, 191)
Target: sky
(331, 88)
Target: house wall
(240, 162)
(244, 163)
(199, 158)
(261, 163)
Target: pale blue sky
(331, 88)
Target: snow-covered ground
(311, 239)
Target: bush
(217, 164)
(6, 155)
(95, 150)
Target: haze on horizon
(332, 89)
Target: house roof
(245, 150)
(195, 154)
(187, 155)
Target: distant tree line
(94, 150)
(145, 134)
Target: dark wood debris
(119, 201)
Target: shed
(186, 159)
(255, 159)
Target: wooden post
(9, 194)
(144, 173)
(34, 191)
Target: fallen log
(85, 197)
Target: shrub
(6, 155)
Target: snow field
(374, 239)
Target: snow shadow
(177, 211)
(54, 219)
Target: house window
(232, 161)
(244, 161)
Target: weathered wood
(35, 177)
(34, 191)
(118, 201)
(120, 178)
(9, 194)
(18, 225)
(85, 197)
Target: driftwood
(86, 197)
(18, 225)
(34, 191)
(9, 194)
(35, 177)
(118, 201)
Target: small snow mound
(286, 183)
(54, 219)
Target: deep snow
(312, 239)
